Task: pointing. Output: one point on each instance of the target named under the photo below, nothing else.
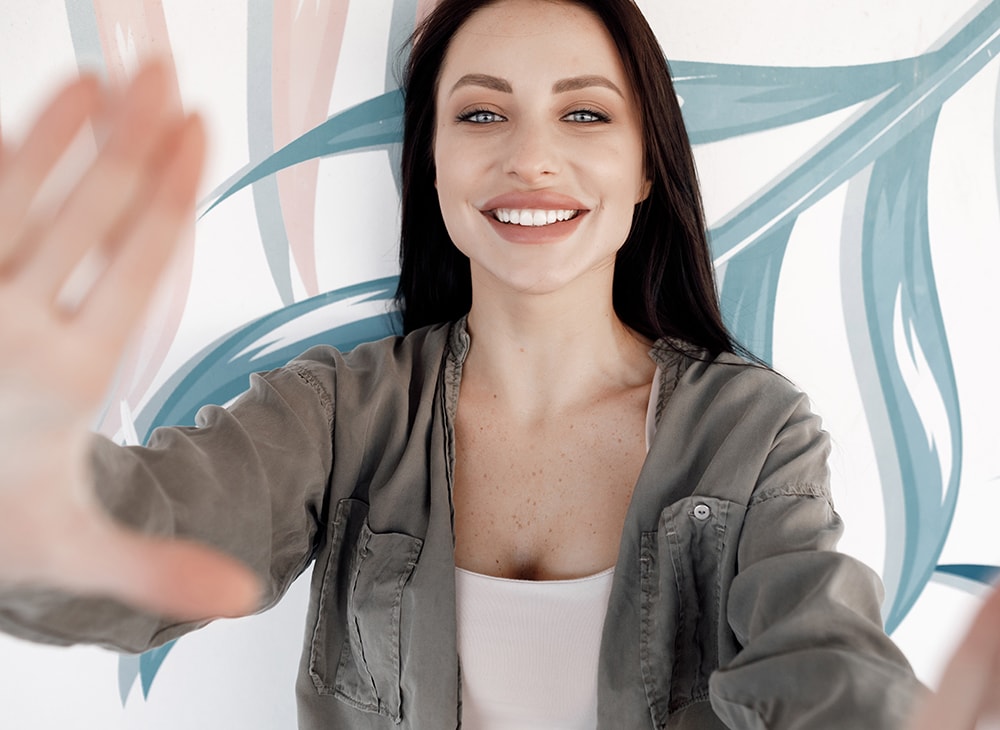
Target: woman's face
(538, 147)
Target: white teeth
(519, 217)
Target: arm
(249, 481)
(814, 652)
(74, 279)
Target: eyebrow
(490, 82)
(575, 83)
(583, 82)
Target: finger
(971, 678)
(174, 578)
(178, 579)
(25, 169)
(101, 200)
(139, 258)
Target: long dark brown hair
(664, 283)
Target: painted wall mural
(850, 159)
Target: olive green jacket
(729, 607)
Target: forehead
(533, 39)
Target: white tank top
(529, 649)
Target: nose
(532, 155)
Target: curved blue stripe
(128, 672)
(86, 37)
(985, 574)
(912, 359)
(220, 371)
(404, 20)
(722, 100)
(260, 141)
(371, 124)
(150, 663)
(749, 292)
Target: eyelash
(597, 116)
(470, 116)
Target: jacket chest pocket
(354, 653)
(687, 565)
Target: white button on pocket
(702, 512)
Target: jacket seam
(805, 489)
(321, 392)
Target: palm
(74, 279)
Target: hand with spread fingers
(75, 277)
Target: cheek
(459, 182)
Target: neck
(545, 353)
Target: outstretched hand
(75, 277)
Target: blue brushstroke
(128, 670)
(401, 25)
(149, 665)
(86, 37)
(988, 575)
(404, 19)
(906, 328)
(721, 101)
(220, 371)
(260, 142)
(749, 292)
(371, 124)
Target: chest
(546, 500)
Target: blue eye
(480, 116)
(586, 116)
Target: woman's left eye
(586, 116)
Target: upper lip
(541, 200)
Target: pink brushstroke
(130, 30)
(307, 43)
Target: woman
(558, 299)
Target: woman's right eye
(480, 116)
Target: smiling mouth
(532, 218)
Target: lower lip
(551, 233)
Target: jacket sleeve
(814, 654)
(249, 480)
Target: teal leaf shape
(220, 371)
(721, 101)
(986, 574)
(150, 663)
(372, 124)
(749, 291)
(911, 357)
